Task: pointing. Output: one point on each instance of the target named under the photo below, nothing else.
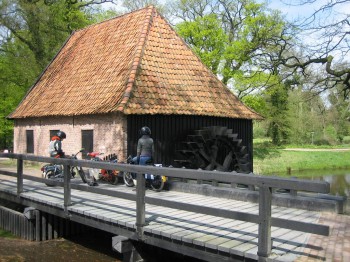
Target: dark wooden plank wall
(169, 131)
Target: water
(338, 179)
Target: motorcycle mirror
(81, 150)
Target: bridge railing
(265, 185)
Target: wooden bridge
(207, 228)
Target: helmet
(145, 131)
(61, 134)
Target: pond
(339, 180)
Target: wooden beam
(228, 177)
(19, 176)
(140, 205)
(264, 237)
(67, 186)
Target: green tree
(18, 70)
(132, 5)
(257, 103)
(42, 26)
(339, 113)
(239, 40)
(279, 124)
(31, 33)
(306, 115)
(328, 27)
(206, 37)
(242, 41)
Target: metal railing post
(140, 205)
(19, 176)
(264, 241)
(67, 187)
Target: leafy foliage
(132, 5)
(251, 48)
(328, 51)
(257, 54)
(31, 33)
(279, 127)
(207, 38)
(236, 39)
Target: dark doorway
(87, 142)
(30, 141)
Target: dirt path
(318, 149)
(80, 249)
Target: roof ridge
(137, 57)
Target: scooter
(155, 182)
(110, 176)
(55, 171)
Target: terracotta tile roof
(135, 64)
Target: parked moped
(55, 171)
(155, 182)
(110, 176)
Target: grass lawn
(13, 162)
(269, 160)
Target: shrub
(346, 140)
(322, 141)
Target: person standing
(55, 146)
(145, 146)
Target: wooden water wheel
(214, 148)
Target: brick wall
(110, 133)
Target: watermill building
(110, 79)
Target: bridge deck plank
(215, 233)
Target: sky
(314, 38)
(291, 10)
(294, 11)
(289, 7)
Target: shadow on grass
(265, 150)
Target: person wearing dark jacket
(145, 146)
(55, 146)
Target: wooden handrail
(264, 183)
(227, 177)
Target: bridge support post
(124, 246)
(19, 176)
(37, 225)
(264, 241)
(67, 188)
(140, 205)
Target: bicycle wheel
(157, 183)
(128, 179)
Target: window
(30, 141)
(53, 133)
(87, 142)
